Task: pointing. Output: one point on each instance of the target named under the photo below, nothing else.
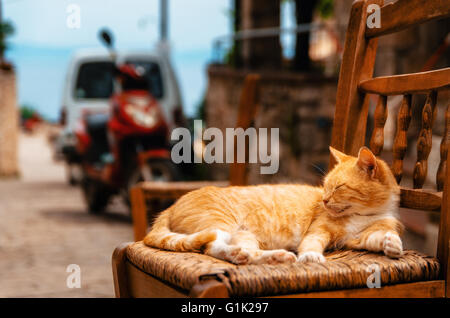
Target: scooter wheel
(95, 196)
(162, 170)
(71, 176)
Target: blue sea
(41, 73)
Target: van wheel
(72, 174)
(95, 195)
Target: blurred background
(199, 53)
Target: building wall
(8, 124)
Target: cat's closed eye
(338, 186)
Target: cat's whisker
(322, 172)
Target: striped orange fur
(355, 208)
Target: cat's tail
(160, 236)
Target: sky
(43, 42)
(193, 23)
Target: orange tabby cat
(356, 208)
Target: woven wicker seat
(344, 269)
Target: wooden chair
(146, 191)
(140, 271)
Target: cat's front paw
(392, 245)
(281, 257)
(238, 256)
(311, 257)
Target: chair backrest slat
(248, 107)
(400, 141)
(405, 13)
(424, 141)
(422, 82)
(445, 145)
(380, 117)
(420, 199)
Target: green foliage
(230, 57)
(26, 112)
(325, 8)
(201, 111)
(6, 30)
(229, 13)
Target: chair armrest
(174, 190)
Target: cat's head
(361, 185)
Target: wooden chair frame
(356, 82)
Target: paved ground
(44, 227)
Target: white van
(89, 85)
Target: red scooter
(125, 146)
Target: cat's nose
(325, 201)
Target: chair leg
(120, 272)
(138, 213)
(210, 288)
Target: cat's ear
(367, 161)
(339, 156)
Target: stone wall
(9, 124)
(301, 106)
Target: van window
(95, 80)
(153, 74)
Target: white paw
(311, 257)
(238, 256)
(275, 257)
(392, 245)
(282, 256)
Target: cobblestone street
(44, 227)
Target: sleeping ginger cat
(356, 208)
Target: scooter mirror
(106, 37)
